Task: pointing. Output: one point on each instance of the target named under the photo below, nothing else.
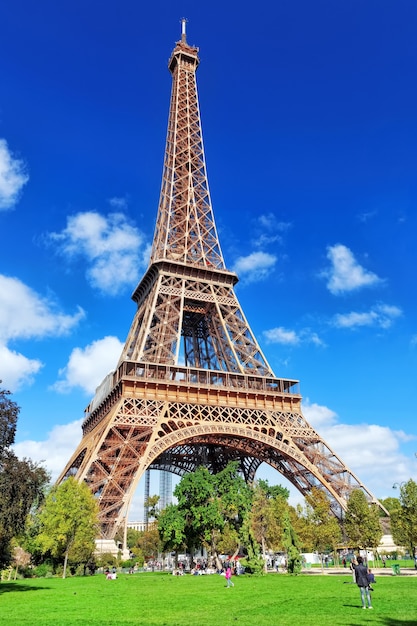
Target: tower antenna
(183, 29)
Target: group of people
(111, 575)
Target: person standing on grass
(371, 580)
(229, 577)
(361, 578)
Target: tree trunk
(65, 564)
(264, 555)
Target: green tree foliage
(291, 544)
(69, 523)
(171, 528)
(9, 413)
(391, 504)
(273, 491)
(362, 521)
(206, 504)
(269, 505)
(226, 498)
(404, 517)
(22, 482)
(151, 504)
(321, 525)
(253, 562)
(149, 542)
(229, 540)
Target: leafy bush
(44, 570)
(106, 560)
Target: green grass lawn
(159, 599)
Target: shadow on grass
(7, 587)
(389, 621)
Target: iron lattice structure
(192, 385)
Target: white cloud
(291, 337)
(271, 230)
(24, 314)
(269, 222)
(371, 452)
(255, 266)
(118, 202)
(380, 316)
(56, 450)
(345, 273)
(367, 215)
(282, 335)
(319, 416)
(111, 246)
(87, 367)
(16, 370)
(13, 176)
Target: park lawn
(160, 599)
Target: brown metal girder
(255, 441)
(213, 454)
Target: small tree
(21, 558)
(362, 523)
(325, 529)
(69, 523)
(253, 562)
(404, 517)
(267, 514)
(171, 528)
(291, 545)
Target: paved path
(378, 571)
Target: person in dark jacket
(361, 578)
(371, 580)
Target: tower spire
(183, 29)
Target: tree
(171, 528)
(9, 413)
(253, 562)
(21, 558)
(391, 504)
(22, 482)
(291, 545)
(325, 529)
(208, 501)
(229, 540)
(207, 505)
(404, 517)
(69, 523)
(149, 543)
(362, 523)
(273, 491)
(151, 504)
(267, 514)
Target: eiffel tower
(192, 385)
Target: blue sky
(310, 130)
